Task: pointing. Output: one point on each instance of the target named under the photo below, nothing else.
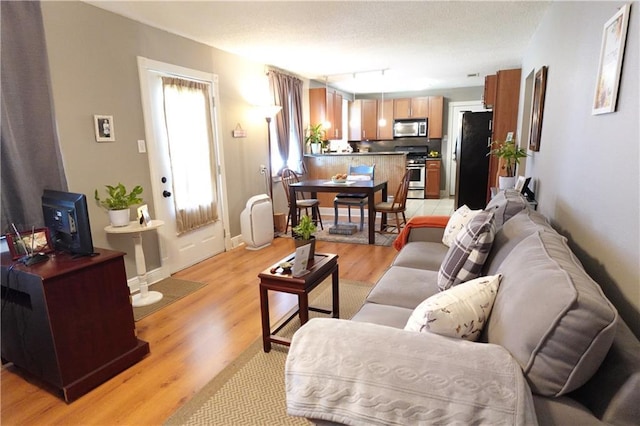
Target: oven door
(416, 180)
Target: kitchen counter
(390, 166)
(334, 154)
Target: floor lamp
(270, 112)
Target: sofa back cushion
(468, 252)
(505, 205)
(551, 316)
(520, 226)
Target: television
(67, 217)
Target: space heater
(256, 222)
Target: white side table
(145, 297)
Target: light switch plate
(142, 146)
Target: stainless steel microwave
(410, 128)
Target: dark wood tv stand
(69, 321)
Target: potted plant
(303, 235)
(511, 153)
(118, 202)
(315, 138)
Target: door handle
(166, 194)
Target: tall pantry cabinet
(502, 93)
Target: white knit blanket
(358, 373)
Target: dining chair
(288, 177)
(358, 199)
(397, 207)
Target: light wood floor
(191, 341)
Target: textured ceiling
(420, 45)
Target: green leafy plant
(305, 228)
(510, 152)
(315, 134)
(118, 198)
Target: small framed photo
(29, 242)
(103, 126)
(520, 183)
(143, 215)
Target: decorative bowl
(336, 180)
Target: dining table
(369, 187)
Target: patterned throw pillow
(456, 223)
(459, 312)
(467, 254)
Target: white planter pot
(315, 148)
(119, 217)
(506, 182)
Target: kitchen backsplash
(389, 145)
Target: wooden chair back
(400, 199)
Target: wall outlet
(263, 168)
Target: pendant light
(382, 122)
(327, 120)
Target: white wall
(586, 172)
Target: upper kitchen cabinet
(363, 120)
(489, 96)
(410, 108)
(325, 106)
(436, 107)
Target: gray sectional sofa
(553, 349)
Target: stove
(416, 164)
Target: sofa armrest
(422, 228)
(359, 373)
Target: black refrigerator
(472, 160)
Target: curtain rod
(268, 68)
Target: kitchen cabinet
(386, 112)
(410, 108)
(489, 96)
(432, 187)
(325, 106)
(363, 120)
(436, 107)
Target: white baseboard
(236, 241)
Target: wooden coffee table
(323, 265)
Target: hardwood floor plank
(191, 341)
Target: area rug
(250, 391)
(359, 237)
(172, 289)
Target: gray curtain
(30, 153)
(287, 93)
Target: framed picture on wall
(539, 88)
(614, 36)
(103, 125)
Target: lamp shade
(270, 111)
